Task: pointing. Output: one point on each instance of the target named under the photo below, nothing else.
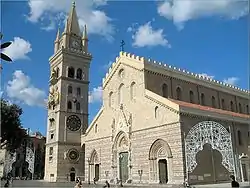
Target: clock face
(73, 123)
(75, 44)
(73, 155)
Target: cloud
(145, 35)
(21, 89)
(55, 11)
(95, 95)
(231, 80)
(18, 49)
(206, 75)
(181, 11)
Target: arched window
(156, 112)
(247, 109)
(178, 93)
(203, 99)
(132, 91)
(232, 106)
(70, 90)
(213, 102)
(111, 99)
(78, 106)
(240, 108)
(71, 72)
(165, 90)
(120, 94)
(79, 74)
(69, 105)
(96, 128)
(57, 72)
(78, 91)
(239, 137)
(191, 96)
(223, 104)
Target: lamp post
(89, 171)
(140, 174)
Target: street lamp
(89, 171)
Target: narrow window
(240, 108)
(120, 94)
(223, 104)
(51, 151)
(57, 72)
(191, 96)
(213, 102)
(111, 99)
(69, 105)
(203, 99)
(78, 91)
(78, 106)
(96, 128)
(132, 91)
(165, 90)
(156, 112)
(70, 90)
(232, 106)
(71, 72)
(79, 74)
(178, 93)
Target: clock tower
(67, 103)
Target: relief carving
(53, 97)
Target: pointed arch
(71, 72)
(120, 94)
(94, 157)
(178, 93)
(132, 91)
(164, 89)
(203, 101)
(156, 112)
(161, 147)
(111, 99)
(79, 74)
(119, 137)
(223, 104)
(191, 96)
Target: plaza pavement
(41, 183)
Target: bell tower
(67, 103)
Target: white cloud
(95, 95)
(56, 10)
(206, 75)
(145, 35)
(18, 49)
(21, 89)
(231, 80)
(181, 11)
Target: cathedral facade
(157, 124)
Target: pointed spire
(72, 25)
(58, 35)
(85, 34)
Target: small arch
(164, 89)
(178, 93)
(156, 112)
(213, 102)
(239, 137)
(157, 145)
(240, 108)
(191, 96)
(94, 157)
(203, 99)
(111, 99)
(78, 106)
(79, 74)
(72, 169)
(78, 91)
(121, 73)
(70, 90)
(132, 91)
(120, 94)
(223, 104)
(232, 106)
(96, 128)
(71, 72)
(69, 105)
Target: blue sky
(205, 37)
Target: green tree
(12, 133)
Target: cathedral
(157, 124)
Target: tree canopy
(12, 133)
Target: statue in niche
(53, 77)
(53, 97)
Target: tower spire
(72, 25)
(58, 35)
(85, 34)
(85, 39)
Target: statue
(53, 77)
(53, 97)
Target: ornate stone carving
(53, 77)
(54, 97)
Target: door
(72, 176)
(123, 166)
(97, 172)
(163, 171)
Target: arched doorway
(72, 174)
(212, 138)
(94, 166)
(160, 161)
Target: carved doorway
(72, 174)
(163, 171)
(123, 166)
